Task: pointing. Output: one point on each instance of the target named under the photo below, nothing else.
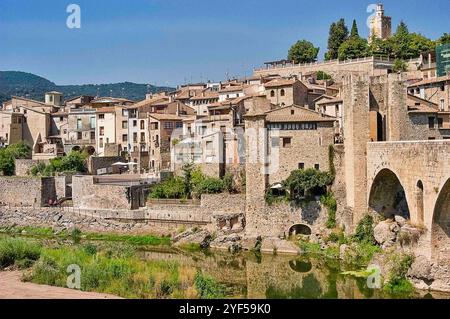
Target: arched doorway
(90, 150)
(76, 149)
(387, 196)
(441, 225)
(419, 202)
(300, 229)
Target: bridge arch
(300, 229)
(387, 195)
(441, 224)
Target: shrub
(7, 165)
(307, 183)
(228, 183)
(72, 162)
(397, 281)
(19, 150)
(330, 203)
(364, 230)
(207, 287)
(209, 185)
(359, 255)
(321, 75)
(17, 251)
(173, 188)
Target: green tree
(400, 66)
(321, 75)
(20, 150)
(6, 163)
(188, 169)
(303, 52)
(307, 182)
(380, 47)
(444, 39)
(337, 35)
(418, 44)
(353, 48)
(400, 41)
(354, 33)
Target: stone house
(10, 128)
(284, 92)
(81, 130)
(298, 138)
(161, 135)
(435, 90)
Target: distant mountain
(34, 87)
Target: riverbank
(12, 287)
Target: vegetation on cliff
(9, 154)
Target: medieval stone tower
(380, 25)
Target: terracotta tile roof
(418, 105)
(205, 95)
(233, 88)
(431, 81)
(109, 109)
(162, 116)
(279, 82)
(330, 101)
(301, 114)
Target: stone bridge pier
(412, 179)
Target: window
(168, 125)
(50, 98)
(142, 137)
(431, 122)
(442, 104)
(101, 116)
(61, 119)
(100, 142)
(287, 141)
(275, 142)
(125, 124)
(92, 135)
(79, 124)
(92, 122)
(282, 93)
(24, 111)
(178, 124)
(142, 124)
(102, 131)
(209, 146)
(125, 113)
(442, 88)
(317, 167)
(292, 112)
(272, 93)
(431, 138)
(440, 122)
(134, 137)
(134, 123)
(125, 137)
(154, 126)
(301, 165)
(79, 136)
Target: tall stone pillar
(397, 108)
(357, 135)
(256, 177)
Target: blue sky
(169, 42)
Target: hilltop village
(297, 149)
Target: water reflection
(247, 275)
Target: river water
(247, 275)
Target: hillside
(34, 87)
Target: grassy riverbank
(77, 235)
(107, 267)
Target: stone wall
(62, 186)
(26, 191)
(96, 163)
(87, 194)
(310, 147)
(370, 66)
(24, 165)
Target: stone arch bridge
(412, 179)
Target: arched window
(272, 93)
(282, 92)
